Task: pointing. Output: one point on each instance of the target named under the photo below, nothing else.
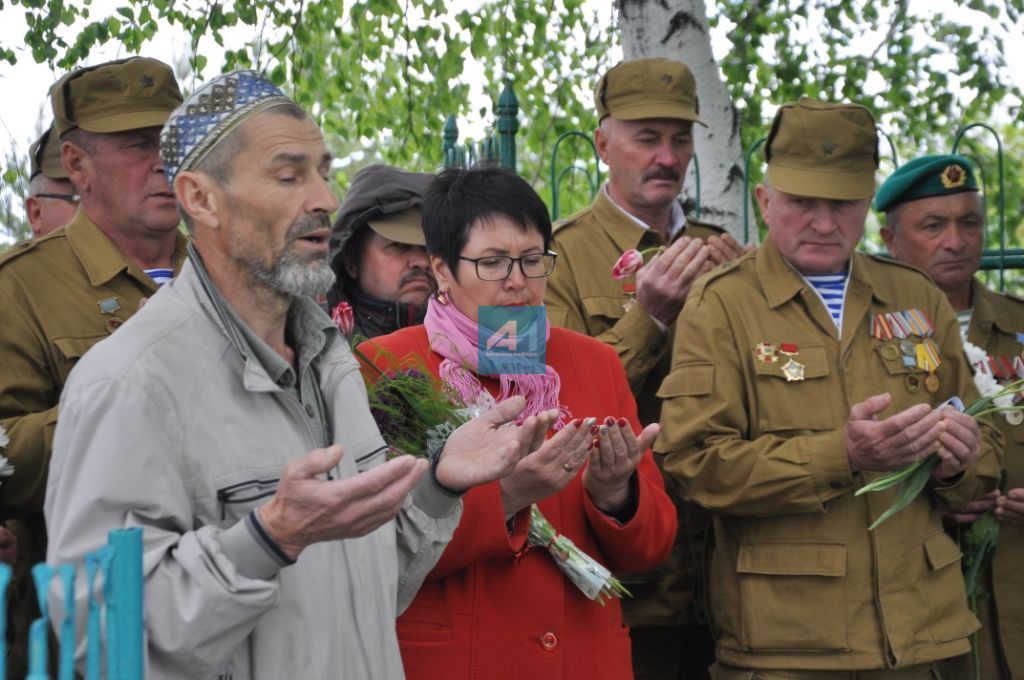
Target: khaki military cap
(823, 150)
(648, 88)
(127, 94)
(401, 227)
(44, 156)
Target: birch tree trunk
(679, 29)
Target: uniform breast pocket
(70, 350)
(240, 492)
(795, 392)
(603, 311)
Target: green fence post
(746, 188)
(450, 138)
(556, 177)
(1000, 202)
(508, 126)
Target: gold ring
(567, 467)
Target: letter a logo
(505, 337)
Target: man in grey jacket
(378, 252)
(229, 420)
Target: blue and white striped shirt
(831, 288)
(160, 275)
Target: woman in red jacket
(493, 607)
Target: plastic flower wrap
(913, 478)
(591, 577)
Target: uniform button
(836, 484)
(655, 349)
(309, 410)
(548, 641)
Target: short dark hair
(460, 197)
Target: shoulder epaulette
(17, 250)
(885, 259)
(694, 222)
(569, 221)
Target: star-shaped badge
(667, 79)
(829, 147)
(953, 176)
(145, 81)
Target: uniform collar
(102, 260)
(677, 221)
(781, 282)
(624, 229)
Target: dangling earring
(441, 297)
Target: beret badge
(953, 176)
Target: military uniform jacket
(797, 580)
(59, 296)
(583, 296)
(995, 324)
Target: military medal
(912, 382)
(931, 383)
(109, 305)
(1014, 417)
(765, 352)
(789, 349)
(890, 352)
(630, 290)
(793, 371)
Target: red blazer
(493, 609)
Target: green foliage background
(382, 75)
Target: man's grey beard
(292, 275)
(295, 277)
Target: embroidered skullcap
(210, 113)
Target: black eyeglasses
(70, 198)
(498, 267)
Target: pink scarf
(454, 336)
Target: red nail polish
(609, 421)
(623, 422)
(594, 443)
(593, 429)
(576, 423)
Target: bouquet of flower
(416, 414)
(913, 478)
(591, 577)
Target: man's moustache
(416, 274)
(663, 173)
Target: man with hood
(378, 254)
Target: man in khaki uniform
(647, 108)
(62, 294)
(935, 220)
(800, 372)
(52, 200)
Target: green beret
(925, 177)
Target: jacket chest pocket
(70, 350)
(794, 391)
(792, 596)
(603, 311)
(240, 492)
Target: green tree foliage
(382, 75)
(925, 69)
(379, 75)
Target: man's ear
(601, 143)
(75, 161)
(32, 210)
(199, 196)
